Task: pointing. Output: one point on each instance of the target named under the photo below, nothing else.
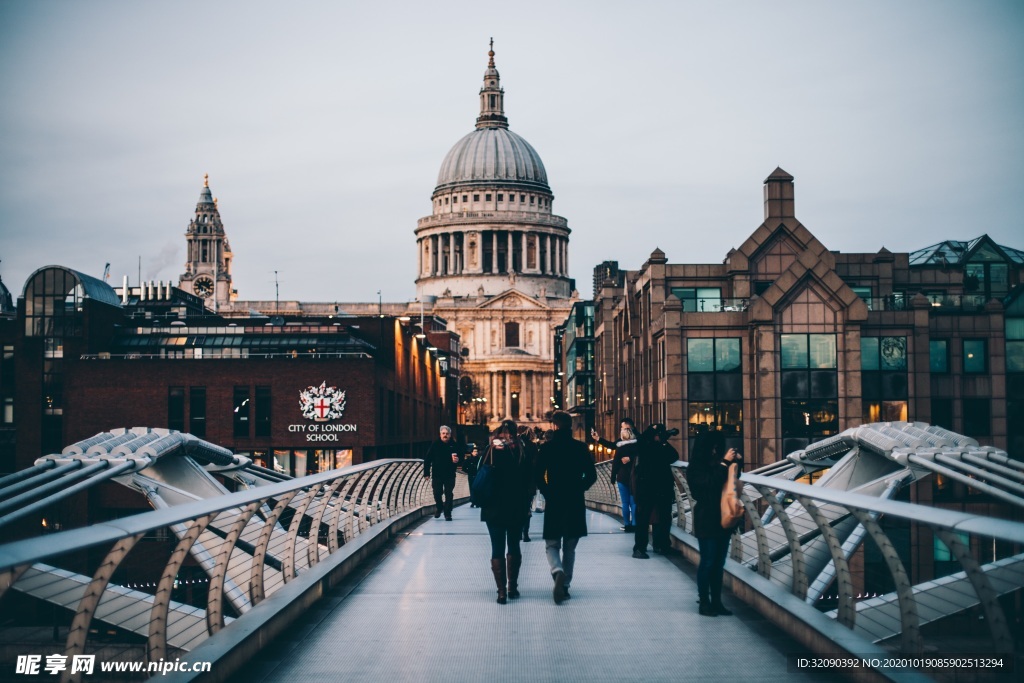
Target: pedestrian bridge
(346, 574)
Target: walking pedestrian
(469, 466)
(440, 463)
(506, 512)
(622, 476)
(564, 471)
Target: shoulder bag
(484, 482)
(732, 507)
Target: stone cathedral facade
(493, 264)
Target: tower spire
(492, 97)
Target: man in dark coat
(564, 471)
(440, 463)
(654, 488)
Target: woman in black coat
(706, 475)
(506, 512)
(654, 488)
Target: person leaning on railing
(706, 475)
(622, 470)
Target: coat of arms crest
(322, 403)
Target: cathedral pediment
(513, 299)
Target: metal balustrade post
(215, 597)
(343, 496)
(796, 551)
(1002, 640)
(847, 609)
(79, 631)
(10, 577)
(910, 630)
(683, 499)
(290, 571)
(156, 647)
(314, 549)
(764, 560)
(256, 588)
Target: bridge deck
(426, 612)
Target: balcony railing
(715, 305)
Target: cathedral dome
(493, 156)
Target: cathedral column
(537, 255)
(433, 254)
(508, 394)
(494, 394)
(451, 253)
(547, 244)
(565, 256)
(509, 260)
(494, 251)
(526, 389)
(524, 246)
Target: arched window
(511, 334)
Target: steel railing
(803, 540)
(248, 544)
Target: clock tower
(208, 265)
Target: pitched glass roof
(955, 252)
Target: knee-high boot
(498, 569)
(514, 563)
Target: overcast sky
(323, 125)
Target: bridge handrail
(249, 544)
(779, 542)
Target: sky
(322, 126)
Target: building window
(662, 359)
(1015, 344)
(487, 197)
(501, 197)
(241, 412)
(197, 411)
(883, 362)
(455, 199)
(7, 417)
(942, 413)
(176, 408)
(864, 293)
(263, 424)
(699, 299)
(810, 389)
(476, 198)
(977, 417)
(522, 197)
(465, 198)
(761, 286)
(938, 356)
(511, 334)
(975, 356)
(714, 387)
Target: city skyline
(323, 128)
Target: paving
(424, 610)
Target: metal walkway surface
(425, 611)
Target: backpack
(732, 506)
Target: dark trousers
(445, 486)
(713, 551)
(645, 505)
(503, 536)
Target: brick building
(299, 397)
(786, 342)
